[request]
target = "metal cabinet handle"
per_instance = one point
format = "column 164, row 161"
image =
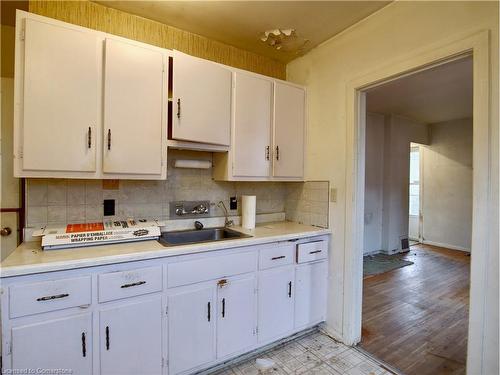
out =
column 89, row 137
column 208, row 311
column 50, row 298
column 268, row 149
column 133, row 284
column 109, row 139
column 84, row 345
column 290, row 289
column 179, row 108
column 223, row 307
column 280, row 257
column 315, row 252
column 107, row 338
column 277, row 152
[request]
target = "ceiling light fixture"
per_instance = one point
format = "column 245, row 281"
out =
column 284, row 40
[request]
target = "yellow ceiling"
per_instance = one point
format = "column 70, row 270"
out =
column 241, row 23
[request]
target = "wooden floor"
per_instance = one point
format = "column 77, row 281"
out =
column 415, row 318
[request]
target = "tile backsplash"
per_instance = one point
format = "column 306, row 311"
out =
column 307, row 203
column 61, row 201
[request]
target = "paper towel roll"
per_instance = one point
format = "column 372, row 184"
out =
column 248, row 211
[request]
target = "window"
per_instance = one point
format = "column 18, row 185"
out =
column 414, row 181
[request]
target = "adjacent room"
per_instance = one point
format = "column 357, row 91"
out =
column 418, row 219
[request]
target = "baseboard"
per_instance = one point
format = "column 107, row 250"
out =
column 446, row 245
column 372, row 252
column 331, row 332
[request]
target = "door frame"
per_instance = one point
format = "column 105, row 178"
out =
column 477, row 45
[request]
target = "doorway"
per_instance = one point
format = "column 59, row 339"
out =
column 414, row 194
column 476, row 45
column 417, row 302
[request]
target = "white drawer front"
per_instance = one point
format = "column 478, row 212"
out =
column 44, row 296
column 193, row 271
column 276, row 256
column 134, row 282
column 311, row 251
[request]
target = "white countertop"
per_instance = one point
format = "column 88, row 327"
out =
column 29, row 257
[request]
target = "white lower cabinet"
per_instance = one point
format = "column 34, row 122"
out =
column 310, row 293
column 191, row 327
column 276, row 302
column 236, row 316
column 131, row 338
column 211, row 321
column 187, row 313
column 62, row 343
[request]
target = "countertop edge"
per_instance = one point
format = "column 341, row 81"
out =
column 23, row 270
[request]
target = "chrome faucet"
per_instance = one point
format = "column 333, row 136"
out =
column 227, row 222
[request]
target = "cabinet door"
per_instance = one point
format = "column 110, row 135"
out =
column 64, row 343
column 252, row 126
column 133, row 104
column 236, row 316
column 276, row 303
column 191, row 328
column 62, row 94
column 130, row 338
column 289, row 126
column 310, row 293
column 202, row 101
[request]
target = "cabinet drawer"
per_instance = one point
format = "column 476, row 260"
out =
column 277, row 256
column 194, row 271
column 44, row 296
column 123, row 284
column 310, row 251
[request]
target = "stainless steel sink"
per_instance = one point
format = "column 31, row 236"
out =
column 184, row 237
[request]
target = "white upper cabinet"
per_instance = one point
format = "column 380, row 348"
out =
column 133, row 109
column 61, row 99
column 268, row 132
column 93, row 105
column 201, row 108
column 289, row 119
column 88, row 105
column 251, row 146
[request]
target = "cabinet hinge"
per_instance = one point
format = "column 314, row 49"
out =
column 166, row 310
column 10, row 348
column 23, row 33
column 162, row 362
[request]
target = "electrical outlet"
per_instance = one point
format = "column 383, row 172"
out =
column 333, row 194
column 233, row 203
column 109, row 207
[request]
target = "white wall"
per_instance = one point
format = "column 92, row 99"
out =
column 374, row 182
column 391, row 34
column 386, row 179
column 398, row 135
column 447, row 185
